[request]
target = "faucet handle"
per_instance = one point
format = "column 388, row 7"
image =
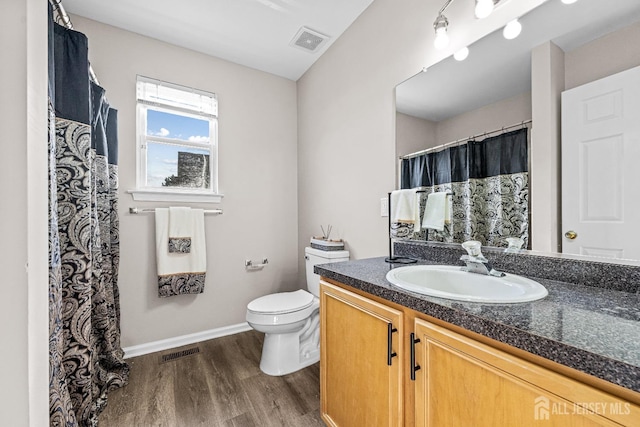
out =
column 515, row 244
column 473, row 248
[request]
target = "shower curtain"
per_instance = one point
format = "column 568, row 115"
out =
column 489, row 182
column 85, row 356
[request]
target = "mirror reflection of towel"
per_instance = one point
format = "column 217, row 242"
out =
column 405, row 208
column 436, row 211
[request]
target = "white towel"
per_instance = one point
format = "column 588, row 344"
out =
column 405, row 208
column 180, row 273
column 180, row 222
column 180, row 230
column 436, row 211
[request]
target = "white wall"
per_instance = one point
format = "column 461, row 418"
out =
column 603, row 57
column 346, row 130
column 24, row 396
column 257, row 137
column 485, row 119
column 414, row 134
column 547, row 83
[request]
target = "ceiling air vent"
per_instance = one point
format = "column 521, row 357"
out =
column 308, row 40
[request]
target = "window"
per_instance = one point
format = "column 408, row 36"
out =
column 177, row 131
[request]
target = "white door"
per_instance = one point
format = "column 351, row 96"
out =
column 601, row 167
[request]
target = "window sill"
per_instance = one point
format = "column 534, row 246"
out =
column 148, row 195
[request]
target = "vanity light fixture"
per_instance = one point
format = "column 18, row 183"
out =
column 569, row 1
column 440, row 26
column 462, row 54
column 483, row 8
column 512, row 30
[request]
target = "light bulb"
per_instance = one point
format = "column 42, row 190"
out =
column 512, row 30
column 442, row 39
column 569, row 1
column 462, row 54
column 483, row 8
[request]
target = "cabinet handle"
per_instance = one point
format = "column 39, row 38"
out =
column 413, row 367
column 390, row 353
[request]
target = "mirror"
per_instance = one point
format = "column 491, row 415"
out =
column 491, row 89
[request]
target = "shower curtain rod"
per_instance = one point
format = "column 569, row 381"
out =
column 64, row 20
column 448, row 144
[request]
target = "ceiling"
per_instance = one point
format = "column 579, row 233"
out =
column 497, row 68
column 253, row 33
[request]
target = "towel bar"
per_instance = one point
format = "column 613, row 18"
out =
column 135, row 211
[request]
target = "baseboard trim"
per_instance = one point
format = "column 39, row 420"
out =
column 152, row 347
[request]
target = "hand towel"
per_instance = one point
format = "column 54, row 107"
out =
column 180, row 273
column 180, row 230
column 436, row 211
column 405, row 208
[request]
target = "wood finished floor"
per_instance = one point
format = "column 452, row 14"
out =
column 222, row 385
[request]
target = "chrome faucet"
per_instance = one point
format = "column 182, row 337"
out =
column 476, row 262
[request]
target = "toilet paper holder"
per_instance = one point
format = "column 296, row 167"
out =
column 250, row 265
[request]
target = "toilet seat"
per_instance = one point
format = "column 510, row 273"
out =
column 281, row 308
column 281, row 303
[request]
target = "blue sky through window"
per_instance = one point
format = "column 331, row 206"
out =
column 162, row 159
column 168, row 125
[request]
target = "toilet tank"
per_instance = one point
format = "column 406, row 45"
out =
column 316, row 256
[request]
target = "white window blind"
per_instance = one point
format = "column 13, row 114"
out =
column 157, row 93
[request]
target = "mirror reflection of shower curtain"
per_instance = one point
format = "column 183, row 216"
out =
column 489, row 180
column 85, row 356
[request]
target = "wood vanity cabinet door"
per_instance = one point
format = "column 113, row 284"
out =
column 462, row 382
column 357, row 386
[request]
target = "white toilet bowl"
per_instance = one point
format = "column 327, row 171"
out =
column 291, row 320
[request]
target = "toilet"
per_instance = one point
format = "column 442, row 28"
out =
column 291, row 320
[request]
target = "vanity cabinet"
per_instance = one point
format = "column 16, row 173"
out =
column 361, row 360
column 440, row 377
column 462, row 382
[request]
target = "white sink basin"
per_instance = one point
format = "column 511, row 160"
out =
column 451, row 282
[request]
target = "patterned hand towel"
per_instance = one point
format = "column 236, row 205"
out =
column 180, row 273
column 180, row 230
column 405, row 211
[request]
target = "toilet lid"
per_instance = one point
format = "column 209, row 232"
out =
column 283, row 302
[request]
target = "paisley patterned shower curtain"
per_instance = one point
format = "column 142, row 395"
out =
column 85, row 356
column 489, row 182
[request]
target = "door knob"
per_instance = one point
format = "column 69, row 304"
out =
column 570, row 234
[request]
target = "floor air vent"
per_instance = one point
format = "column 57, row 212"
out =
column 178, row 354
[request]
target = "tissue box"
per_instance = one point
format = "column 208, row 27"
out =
column 327, row 245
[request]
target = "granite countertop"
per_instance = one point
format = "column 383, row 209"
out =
column 591, row 329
